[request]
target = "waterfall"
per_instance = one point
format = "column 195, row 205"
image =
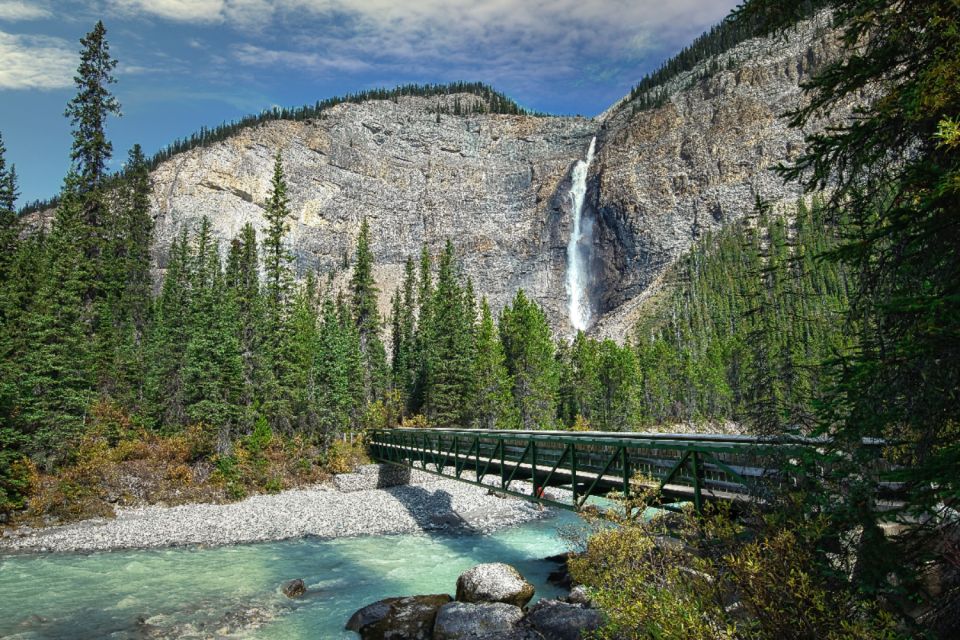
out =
column 579, row 246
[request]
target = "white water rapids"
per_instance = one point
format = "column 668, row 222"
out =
column 578, row 248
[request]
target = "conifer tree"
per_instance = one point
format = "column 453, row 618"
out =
column 423, row 337
column 449, row 394
column 302, row 352
column 403, row 317
column 334, row 370
column 494, row 408
column 529, row 351
column 366, row 316
column 279, row 279
column 9, row 226
column 88, row 112
column 168, row 338
column 243, row 284
column 212, row 369
column 56, row 382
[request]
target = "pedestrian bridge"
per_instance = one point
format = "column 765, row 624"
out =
column 694, row 468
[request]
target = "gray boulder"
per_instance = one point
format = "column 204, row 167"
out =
column 410, row 618
column 579, row 595
column 557, row 620
column 494, row 582
column 486, row 621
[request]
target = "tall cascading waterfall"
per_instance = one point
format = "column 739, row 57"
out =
column 580, row 246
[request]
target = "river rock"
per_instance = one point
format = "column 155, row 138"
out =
column 557, row 620
column 579, row 595
column 486, row 621
column 494, row 582
column 294, row 588
column 410, row 618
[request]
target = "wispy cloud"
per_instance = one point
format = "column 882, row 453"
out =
column 35, row 62
column 13, row 10
column 199, row 11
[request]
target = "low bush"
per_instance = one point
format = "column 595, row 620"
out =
column 686, row 577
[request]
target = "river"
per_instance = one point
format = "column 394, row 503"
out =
column 159, row 592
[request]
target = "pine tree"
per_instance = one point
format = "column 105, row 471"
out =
column 89, row 109
column 423, row 338
column 403, row 318
column 302, row 352
column 529, row 351
column 243, row 285
column 449, row 394
column 212, row 368
column 366, row 317
column 167, row 340
column 56, row 382
column 277, row 287
column 494, row 408
column 9, row 225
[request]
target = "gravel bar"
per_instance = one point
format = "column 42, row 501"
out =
column 358, row 507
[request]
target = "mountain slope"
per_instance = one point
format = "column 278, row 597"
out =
column 497, row 184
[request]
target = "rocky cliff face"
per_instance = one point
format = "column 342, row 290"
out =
column 492, row 184
column 497, row 185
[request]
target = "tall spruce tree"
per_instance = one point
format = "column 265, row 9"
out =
column 9, row 225
column 529, row 351
column 366, row 316
column 56, row 380
column 450, row 386
column 423, row 337
column 243, row 284
column 403, row 325
column 167, row 341
column 212, row 368
column 493, row 408
column 276, row 297
column 88, row 112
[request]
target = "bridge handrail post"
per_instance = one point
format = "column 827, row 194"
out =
column 697, row 496
column 573, row 472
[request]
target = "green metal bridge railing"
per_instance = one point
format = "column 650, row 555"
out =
column 684, row 467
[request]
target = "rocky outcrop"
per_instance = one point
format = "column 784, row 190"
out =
column 477, row 621
column 497, row 185
column 494, row 582
column 492, row 184
column 410, row 618
column 558, row 620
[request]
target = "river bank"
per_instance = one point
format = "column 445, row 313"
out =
column 354, row 505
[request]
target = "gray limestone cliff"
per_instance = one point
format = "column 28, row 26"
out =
column 496, row 185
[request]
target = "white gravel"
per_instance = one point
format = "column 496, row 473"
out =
column 427, row 503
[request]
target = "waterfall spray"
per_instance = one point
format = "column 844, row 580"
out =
column 578, row 248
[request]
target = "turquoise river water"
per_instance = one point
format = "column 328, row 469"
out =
column 118, row 594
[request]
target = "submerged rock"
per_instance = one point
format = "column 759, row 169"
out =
column 294, row 588
column 494, row 582
column 469, row 621
column 410, row 618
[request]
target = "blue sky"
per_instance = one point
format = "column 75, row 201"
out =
column 184, row 64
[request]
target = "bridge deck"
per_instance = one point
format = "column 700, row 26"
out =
column 684, row 467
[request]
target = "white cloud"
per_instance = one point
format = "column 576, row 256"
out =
column 202, row 11
column 35, row 62
column 259, row 56
column 13, row 10
column 503, row 41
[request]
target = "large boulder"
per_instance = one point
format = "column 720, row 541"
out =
column 484, row 621
column 494, row 582
column 557, row 620
column 410, row 618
